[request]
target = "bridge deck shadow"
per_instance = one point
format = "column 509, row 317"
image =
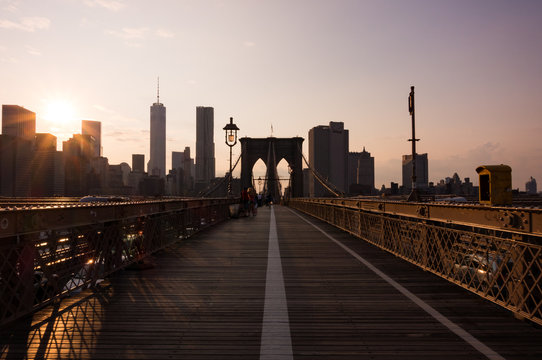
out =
column 204, row 299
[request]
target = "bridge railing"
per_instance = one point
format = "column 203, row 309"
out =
column 494, row 252
column 53, row 251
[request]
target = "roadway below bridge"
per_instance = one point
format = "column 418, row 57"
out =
column 279, row 285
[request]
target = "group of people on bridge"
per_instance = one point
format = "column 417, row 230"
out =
column 250, row 201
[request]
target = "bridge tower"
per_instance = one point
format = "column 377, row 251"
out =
column 272, row 150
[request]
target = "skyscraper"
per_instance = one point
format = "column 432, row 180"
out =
column 189, row 169
column 177, row 160
column 361, row 172
column 157, row 161
column 366, row 169
column 94, row 129
column 18, row 122
column 43, row 166
column 530, row 186
column 15, row 166
column 422, row 172
column 328, row 155
column 16, row 150
column 78, row 152
column 205, row 146
column 138, row 163
column 138, row 173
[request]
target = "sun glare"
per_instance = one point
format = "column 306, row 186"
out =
column 59, row 112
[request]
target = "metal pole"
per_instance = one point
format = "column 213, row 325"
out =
column 414, row 193
column 230, row 176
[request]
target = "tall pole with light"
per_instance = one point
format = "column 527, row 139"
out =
column 414, row 196
column 231, row 139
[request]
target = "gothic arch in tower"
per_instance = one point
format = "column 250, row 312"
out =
column 272, row 150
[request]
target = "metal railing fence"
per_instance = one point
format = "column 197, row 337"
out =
column 502, row 266
column 46, row 254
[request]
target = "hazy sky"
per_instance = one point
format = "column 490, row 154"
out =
column 476, row 66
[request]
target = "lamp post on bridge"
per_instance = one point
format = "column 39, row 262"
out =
column 231, row 139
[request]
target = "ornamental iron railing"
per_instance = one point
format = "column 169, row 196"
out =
column 498, row 264
column 49, row 253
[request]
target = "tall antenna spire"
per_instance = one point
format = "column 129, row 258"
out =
column 158, row 92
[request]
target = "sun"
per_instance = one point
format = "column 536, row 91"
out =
column 59, row 112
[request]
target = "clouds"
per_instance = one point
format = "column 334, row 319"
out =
column 129, row 33
column 114, row 116
column 28, row 24
column 32, row 51
column 119, row 131
column 8, row 5
column 164, row 33
column 134, row 37
column 112, row 5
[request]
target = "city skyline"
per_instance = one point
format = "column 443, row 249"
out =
column 476, row 67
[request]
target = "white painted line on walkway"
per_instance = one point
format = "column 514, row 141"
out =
column 276, row 342
column 456, row 329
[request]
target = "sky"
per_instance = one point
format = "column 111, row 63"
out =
column 291, row 65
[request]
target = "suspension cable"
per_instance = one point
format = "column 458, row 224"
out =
column 212, row 187
column 324, row 182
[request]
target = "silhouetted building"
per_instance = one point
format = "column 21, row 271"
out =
column 43, row 166
column 78, row 152
column 118, row 179
column 94, row 129
column 422, row 172
column 135, row 179
column 18, row 133
column 468, row 188
column 183, row 165
column 138, row 163
column 175, row 182
column 205, row 146
column 361, row 173
column 15, row 166
column 126, row 170
column 152, row 186
column 98, row 176
column 328, row 156
column 453, row 186
column 353, row 160
column 60, row 171
column 189, row 170
column 157, row 161
column 530, row 186
column 115, row 177
column 18, row 122
column 175, row 178
column 366, row 169
column 177, row 159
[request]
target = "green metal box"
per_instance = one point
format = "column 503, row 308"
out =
column 495, row 184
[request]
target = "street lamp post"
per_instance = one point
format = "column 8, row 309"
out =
column 231, row 140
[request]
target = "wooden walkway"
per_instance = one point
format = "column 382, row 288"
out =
column 206, row 299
